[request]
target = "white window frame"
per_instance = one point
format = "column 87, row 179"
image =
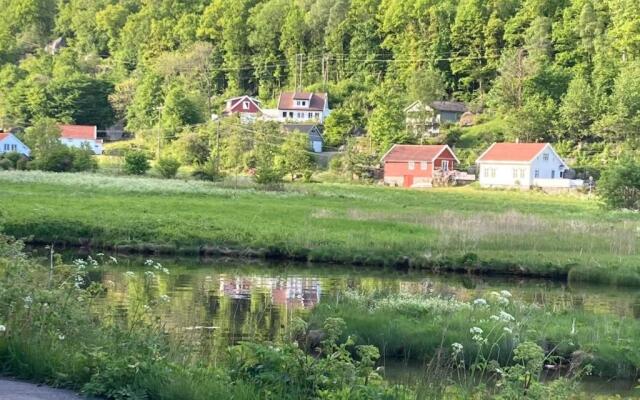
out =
column 545, row 156
column 245, row 105
column 444, row 165
column 411, row 165
column 424, row 165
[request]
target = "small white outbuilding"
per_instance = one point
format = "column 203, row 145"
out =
column 522, row 165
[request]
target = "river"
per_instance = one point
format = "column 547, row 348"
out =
column 225, row 301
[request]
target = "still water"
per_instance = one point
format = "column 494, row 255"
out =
column 229, row 301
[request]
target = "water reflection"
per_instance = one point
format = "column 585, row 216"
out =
column 237, row 301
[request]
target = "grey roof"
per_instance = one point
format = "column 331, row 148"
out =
column 453, row 106
column 314, row 131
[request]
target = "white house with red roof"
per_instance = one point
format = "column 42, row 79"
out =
column 10, row 143
column 416, row 165
column 302, row 106
column 81, row 135
column 521, row 165
column 247, row 107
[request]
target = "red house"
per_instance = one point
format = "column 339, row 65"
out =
column 246, row 106
column 414, row 165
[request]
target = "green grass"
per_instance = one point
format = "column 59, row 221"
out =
column 414, row 327
column 462, row 229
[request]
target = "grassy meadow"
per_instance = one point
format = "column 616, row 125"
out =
column 463, row 229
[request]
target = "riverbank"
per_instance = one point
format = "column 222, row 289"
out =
column 455, row 229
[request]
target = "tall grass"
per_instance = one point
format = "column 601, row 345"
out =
column 449, row 229
column 418, row 327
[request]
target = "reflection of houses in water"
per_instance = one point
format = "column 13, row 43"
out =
column 291, row 292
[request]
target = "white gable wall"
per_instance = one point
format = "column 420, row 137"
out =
column 547, row 165
column 11, row 144
column 95, row 145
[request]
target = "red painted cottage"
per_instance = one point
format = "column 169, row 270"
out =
column 409, row 165
column 246, row 106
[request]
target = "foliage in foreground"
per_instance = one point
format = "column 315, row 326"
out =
column 51, row 332
column 620, row 185
column 490, row 330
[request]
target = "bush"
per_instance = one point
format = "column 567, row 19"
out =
column 207, row 172
column 136, row 162
column 5, row 164
column 619, row 186
column 83, row 160
column 168, row 167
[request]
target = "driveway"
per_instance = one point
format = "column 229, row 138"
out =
column 14, row 390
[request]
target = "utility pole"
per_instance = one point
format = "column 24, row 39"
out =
column 300, row 62
column 218, row 147
column 325, row 70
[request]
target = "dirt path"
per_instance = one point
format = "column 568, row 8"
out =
column 14, row 390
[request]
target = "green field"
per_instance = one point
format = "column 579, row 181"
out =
column 447, row 229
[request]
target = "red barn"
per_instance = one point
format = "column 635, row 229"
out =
column 409, row 165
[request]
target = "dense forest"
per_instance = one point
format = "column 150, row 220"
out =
column 561, row 70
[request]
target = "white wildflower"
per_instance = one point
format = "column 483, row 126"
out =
column 457, row 348
column 505, row 293
column 113, row 260
column 165, row 271
column 61, row 337
column 165, row 299
column 146, row 307
column 130, row 274
column 480, row 302
column 476, row 331
column 149, row 274
column 158, row 266
column 100, row 254
column 148, row 262
column 27, row 302
column 3, row 328
column 508, row 330
column 506, row 317
column 494, row 318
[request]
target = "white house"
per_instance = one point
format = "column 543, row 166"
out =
column 426, row 119
column 81, row 135
column 301, row 106
column 10, row 143
column 522, row 165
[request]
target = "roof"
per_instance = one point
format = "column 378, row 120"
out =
column 512, row 152
column 409, row 152
column 234, row 101
column 316, row 101
column 88, row 132
column 314, row 131
column 4, row 135
column 453, row 106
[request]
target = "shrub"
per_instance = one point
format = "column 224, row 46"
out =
column 136, row 162
column 207, row 172
column 620, row 185
column 83, row 160
column 5, row 164
column 168, row 167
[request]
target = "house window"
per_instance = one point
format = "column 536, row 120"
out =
column 553, row 174
column 545, row 156
column 423, row 165
column 290, row 114
column 310, row 115
column 317, row 115
column 297, row 102
column 284, row 114
column 6, row 147
column 493, row 172
column 304, row 103
column 445, row 165
column 536, row 174
column 14, row 147
column 485, row 170
column 515, row 173
column 245, row 105
column 412, row 165
column 521, row 173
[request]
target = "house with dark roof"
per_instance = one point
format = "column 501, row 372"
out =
column 302, row 106
column 417, row 165
column 81, row 136
column 313, row 131
column 522, row 165
column 9, row 143
column 426, row 119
